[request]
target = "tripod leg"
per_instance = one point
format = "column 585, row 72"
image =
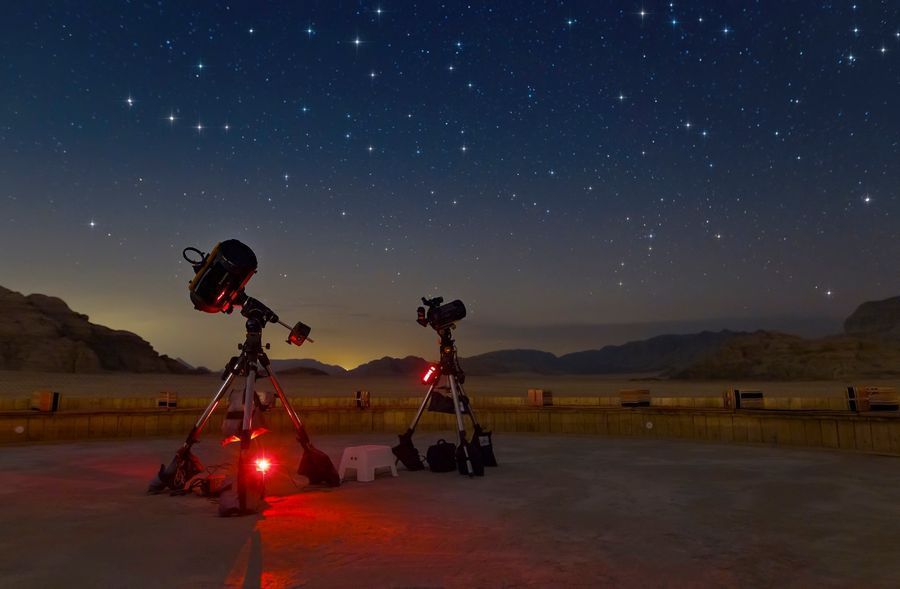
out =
column 249, row 405
column 415, row 421
column 194, row 435
column 469, row 407
column 302, row 436
column 185, row 465
column 454, row 389
column 315, row 464
column 244, row 466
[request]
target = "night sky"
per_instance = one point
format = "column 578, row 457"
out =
column 579, row 173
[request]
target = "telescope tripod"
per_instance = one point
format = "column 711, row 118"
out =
column 449, row 367
column 252, row 362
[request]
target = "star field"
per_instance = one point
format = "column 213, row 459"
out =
column 563, row 167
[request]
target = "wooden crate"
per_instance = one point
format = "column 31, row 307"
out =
column 865, row 398
column 167, row 400
column 748, row 399
column 47, row 401
column 540, row 397
column 634, row 397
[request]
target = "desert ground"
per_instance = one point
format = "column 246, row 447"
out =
column 18, row 384
column 559, row 511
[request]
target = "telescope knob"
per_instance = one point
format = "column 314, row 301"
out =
column 268, row 346
column 240, row 346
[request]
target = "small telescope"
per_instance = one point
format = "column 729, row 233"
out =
column 218, row 285
column 438, row 315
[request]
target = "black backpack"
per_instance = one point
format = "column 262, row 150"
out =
column 441, row 457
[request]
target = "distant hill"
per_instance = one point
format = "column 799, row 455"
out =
column 657, row 354
column 769, row 355
column 875, row 318
column 302, row 370
column 42, row 334
column 511, row 361
column 663, row 353
column 283, row 366
column 388, row 366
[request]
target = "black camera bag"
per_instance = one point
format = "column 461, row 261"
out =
column 441, row 457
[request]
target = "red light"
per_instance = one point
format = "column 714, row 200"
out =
column 253, row 435
column 263, row 465
column 429, row 376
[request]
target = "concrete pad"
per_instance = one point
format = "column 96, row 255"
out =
column 558, row 512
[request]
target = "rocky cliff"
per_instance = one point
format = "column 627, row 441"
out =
column 875, row 318
column 42, row 334
column 778, row 356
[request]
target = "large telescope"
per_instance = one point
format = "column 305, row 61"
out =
column 218, row 285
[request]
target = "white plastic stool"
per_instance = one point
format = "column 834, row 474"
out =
column 365, row 459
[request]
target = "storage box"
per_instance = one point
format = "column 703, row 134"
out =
column 634, row 397
column 873, row 399
column 748, row 399
column 167, row 400
column 47, row 401
column 540, row 397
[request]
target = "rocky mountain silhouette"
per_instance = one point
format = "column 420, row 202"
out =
column 42, row 334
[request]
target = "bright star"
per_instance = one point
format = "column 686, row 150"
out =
column 92, row 223
column 129, row 101
column 226, row 126
column 371, row 149
column 250, row 30
column 357, row 41
column 199, row 127
column 171, row 118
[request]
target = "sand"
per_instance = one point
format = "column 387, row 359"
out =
column 558, row 512
column 21, row 384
